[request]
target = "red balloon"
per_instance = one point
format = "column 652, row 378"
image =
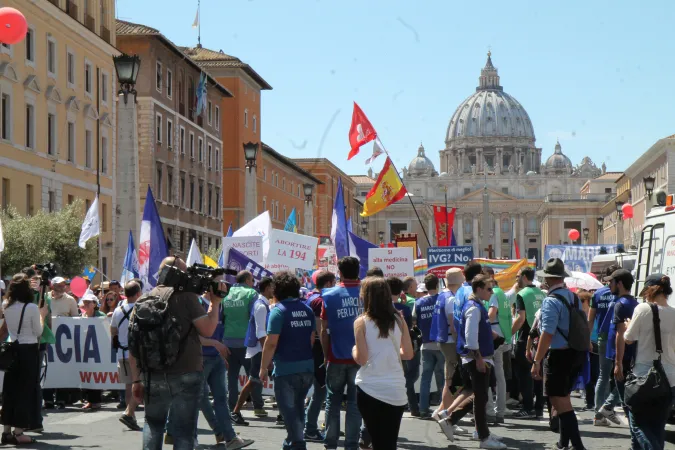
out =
column 13, row 26
column 573, row 234
column 627, row 210
column 78, row 286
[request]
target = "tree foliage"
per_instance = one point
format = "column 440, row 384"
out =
column 46, row 237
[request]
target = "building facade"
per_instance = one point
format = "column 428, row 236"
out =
column 493, row 173
column 180, row 152
column 57, row 111
column 240, row 120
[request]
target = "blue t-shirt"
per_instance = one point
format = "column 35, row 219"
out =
column 302, row 329
column 555, row 315
column 407, row 313
column 623, row 310
column 600, row 302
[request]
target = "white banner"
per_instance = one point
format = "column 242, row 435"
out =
column 251, row 246
column 394, row 262
column 292, row 249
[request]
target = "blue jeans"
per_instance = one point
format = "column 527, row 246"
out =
column 412, row 373
column 314, row 408
column 604, row 375
column 649, row 434
column 290, row 391
column 337, row 377
column 237, row 360
column 218, row 415
column 181, row 394
column 433, row 362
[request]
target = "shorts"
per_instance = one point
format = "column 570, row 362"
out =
column 254, row 373
column 561, row 371
column 451, row 360
column 124, row 371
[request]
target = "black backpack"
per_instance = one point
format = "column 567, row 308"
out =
column 579, row 335
column 154, row 334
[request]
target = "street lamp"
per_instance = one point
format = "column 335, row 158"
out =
column 619, row 210
column 308, row 189
column 380, row 234
column 649, row 185
column 586, row 232
column 600, row 222
column 250, row 151
column 127, row 68
column 364, row 227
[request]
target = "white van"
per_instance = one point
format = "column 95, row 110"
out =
column 625, row 260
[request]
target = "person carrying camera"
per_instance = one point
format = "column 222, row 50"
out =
column 176, row 386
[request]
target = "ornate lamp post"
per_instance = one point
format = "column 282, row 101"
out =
column 308, row 190
column 586, row 232
column 251, row 194
column 380, row 234
column 127, row 68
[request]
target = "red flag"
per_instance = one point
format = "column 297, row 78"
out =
column 361, row 131
column 515, row 245
column 445, row 221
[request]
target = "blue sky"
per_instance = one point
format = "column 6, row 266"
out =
column 598, row 75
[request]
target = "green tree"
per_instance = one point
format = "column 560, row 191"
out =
column 46, row 237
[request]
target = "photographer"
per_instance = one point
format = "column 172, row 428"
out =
column 178, row 386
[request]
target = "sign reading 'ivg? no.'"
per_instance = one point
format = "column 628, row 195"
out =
column 296, row 251
column 440, row 259
column 394, row 262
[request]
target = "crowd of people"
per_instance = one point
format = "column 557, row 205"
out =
column 358, row 344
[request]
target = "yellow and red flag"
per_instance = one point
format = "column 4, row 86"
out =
column 388, row 189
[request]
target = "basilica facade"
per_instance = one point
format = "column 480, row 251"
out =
column 492, row 171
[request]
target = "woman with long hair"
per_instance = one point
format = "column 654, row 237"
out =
column 25, row 321
column 648, row 429
column 382, row 341
column 109, row 303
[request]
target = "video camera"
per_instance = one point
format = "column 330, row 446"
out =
column 197, row 279
column 48, row 271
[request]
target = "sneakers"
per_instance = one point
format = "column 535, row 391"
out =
column 491, row 442
column 439, row 415
column 458, row 430
column 317, row 436
column 512, row 402
column 365, row 445
column 238, row 419
column 260, row 413
column 415, row 413
column 280, row 420
column 237, row 443
column 609, row 415
column 602, row 422
column 447, row 429
column 130, row 423
column 270, row 400
column 492, row 436
column 522, row 414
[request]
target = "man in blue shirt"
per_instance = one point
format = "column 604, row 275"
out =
column 563, row 364
column 290, row 336
column 600, row 302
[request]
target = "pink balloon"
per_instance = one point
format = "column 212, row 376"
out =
column 78, row 286
column 627, row 210
column 573, row 234
column 13, row 26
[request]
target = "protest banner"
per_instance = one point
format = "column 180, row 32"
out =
column 251, row 246
column 237, row 261
column 421, row 269
column 578, row 258
column 274, row 268
column 394, row 262
column 440, row 259
column 291, row 249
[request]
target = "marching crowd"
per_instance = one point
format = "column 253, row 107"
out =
column 360, row 344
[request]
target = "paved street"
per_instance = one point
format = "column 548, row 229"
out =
column 101, row 430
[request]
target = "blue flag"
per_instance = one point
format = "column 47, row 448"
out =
column 292, row 223
column 152, row 248
column 130, row 266
column 359, row 249
column 453, row 241
column 229, row 232
column 89, row 272
column 221, row 258
column 350, row 227
column 338, row 232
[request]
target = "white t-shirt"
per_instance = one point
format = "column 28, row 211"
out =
column 260, row 317
column 31, row 329
column 494, row 303
column 123, row 327
column 641, row 329
column 382, row 376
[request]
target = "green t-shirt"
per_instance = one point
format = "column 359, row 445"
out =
column 236, row 314
column 47, row 335
column 410, row 301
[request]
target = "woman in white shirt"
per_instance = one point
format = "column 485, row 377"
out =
column 24, row 323
column 382, row 341
column 649, row 432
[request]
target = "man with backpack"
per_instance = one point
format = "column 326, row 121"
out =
column 166, row 360
column 119, row 332
column 564, row 330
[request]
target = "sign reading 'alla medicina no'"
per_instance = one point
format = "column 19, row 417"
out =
column 251, row 246
column 296, row 251
column 394, row 262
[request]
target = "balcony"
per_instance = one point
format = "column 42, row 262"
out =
column 105, row 34
column 565, row 198
column 71, row 9
column 90, row 23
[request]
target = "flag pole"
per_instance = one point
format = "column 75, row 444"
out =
column 408, row 194
column 447, row 236
column 199, row 23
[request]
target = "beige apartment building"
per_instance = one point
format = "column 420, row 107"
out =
column 57, row 110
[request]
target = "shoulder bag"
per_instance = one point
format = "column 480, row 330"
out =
column 8, row 350
column 649, row 392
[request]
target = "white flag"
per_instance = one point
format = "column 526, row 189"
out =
column 195, row 24
column 378, row 149
column 260, row 226
column 2, row 238
column 194, row 255
column 90, row 227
